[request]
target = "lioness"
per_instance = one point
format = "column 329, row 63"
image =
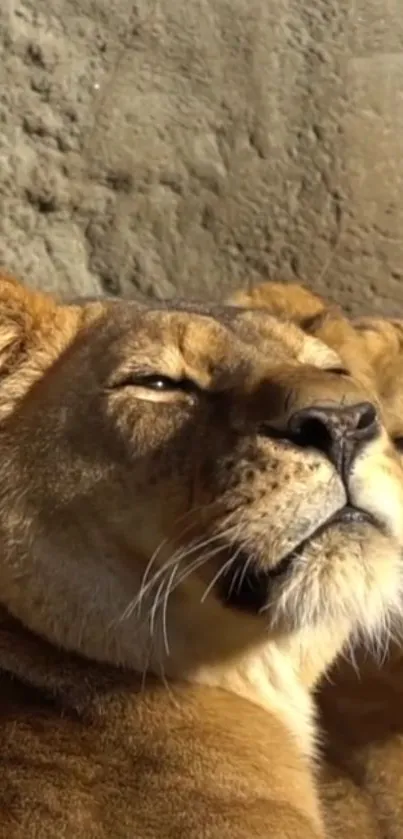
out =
column 191, row 528
column 362, row 701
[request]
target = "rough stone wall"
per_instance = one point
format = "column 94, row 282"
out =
column 191, row 146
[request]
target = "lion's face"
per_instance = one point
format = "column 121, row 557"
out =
column 182, row 483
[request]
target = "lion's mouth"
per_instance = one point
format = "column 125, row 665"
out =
column 246, row 587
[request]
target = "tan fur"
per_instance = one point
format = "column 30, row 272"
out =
column 361, row 703
column 362, row 706
column 317, row 317
column 291, row 302
column 135, row 701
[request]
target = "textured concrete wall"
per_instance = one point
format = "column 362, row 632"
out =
column 190, row 146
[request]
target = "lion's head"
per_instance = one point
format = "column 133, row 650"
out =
column 182, row 484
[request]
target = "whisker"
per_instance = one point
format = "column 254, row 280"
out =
column 235, row 579
column 197, row 563
column 165, row 608
column 181, row 556
column 165, row 541
column 244, row 571
column 153, row 611
column 136, row 601
column 216, row 577
column 166, row 683
column 145, row 587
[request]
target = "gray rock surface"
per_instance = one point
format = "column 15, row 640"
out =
column 193, row 146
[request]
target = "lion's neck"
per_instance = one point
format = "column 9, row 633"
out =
column 267, row 678
column 74, row 683
column 91, row 618
column 281, row 676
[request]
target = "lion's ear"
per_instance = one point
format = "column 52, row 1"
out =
column 11, row 319
column 289, row 301
column 22, row 312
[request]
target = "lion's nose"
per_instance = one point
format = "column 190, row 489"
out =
column 337, row 432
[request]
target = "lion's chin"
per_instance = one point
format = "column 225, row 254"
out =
column 249, row 587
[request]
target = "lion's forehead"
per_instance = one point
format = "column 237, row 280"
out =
column 182, row 340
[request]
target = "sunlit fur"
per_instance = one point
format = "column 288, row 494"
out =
column 124, row 507
column 361, row 699
column 361, row 703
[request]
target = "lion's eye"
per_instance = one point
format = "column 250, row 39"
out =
column 159, row 383
column 338, row 371
column 398, row 442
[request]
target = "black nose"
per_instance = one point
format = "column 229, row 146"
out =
column 337, row 432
